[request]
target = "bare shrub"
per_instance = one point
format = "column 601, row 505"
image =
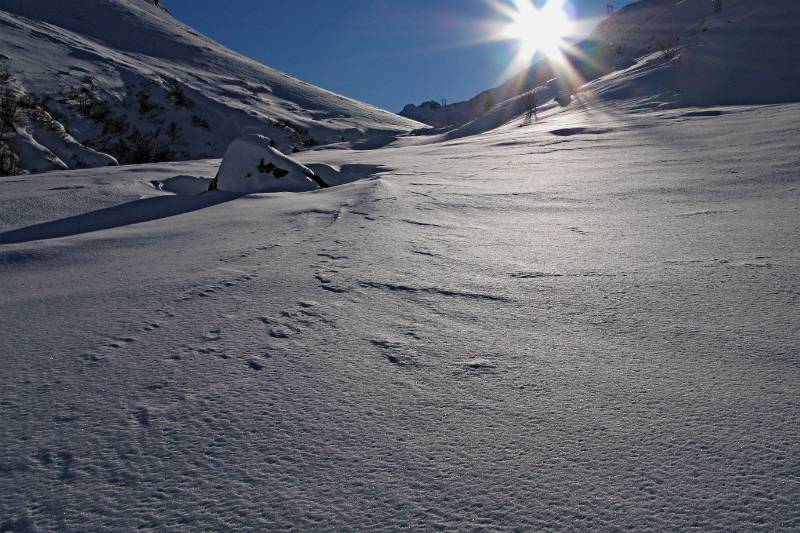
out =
column 488, row 103
column 199, row 122
column 84, row 100
column 9, row 109
column 9, row 160
column 139, row 147
column 5, row 75
column 669, row 49
column 143, row 98
column 9, row 103
column 179, row 97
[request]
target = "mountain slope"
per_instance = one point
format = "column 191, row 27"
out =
column 127, row 79
column 686, row 53
column 744, row 53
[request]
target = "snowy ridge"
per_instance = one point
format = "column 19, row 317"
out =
column 673, row 52
column 125, row 78
column 687, row 54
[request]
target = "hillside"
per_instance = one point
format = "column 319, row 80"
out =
column 101, row 81
column 738, row 54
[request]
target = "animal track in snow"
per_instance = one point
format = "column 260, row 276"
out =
column 121, row 342
column 206, row 347
column 62, row 463
column 222, row 285
column 247, row 253
column 305, row 316
column 576, row 229
column 203, row 350
column 396, row 353
column 115, row 345
column 328, row 267
column 213, row 335
column 142, row 416
column 106, row 349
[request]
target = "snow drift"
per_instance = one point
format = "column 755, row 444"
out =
column 252, row 165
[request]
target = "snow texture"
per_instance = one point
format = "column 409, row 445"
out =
column 586, row 322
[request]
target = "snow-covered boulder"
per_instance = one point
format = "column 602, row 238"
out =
column 252, row 165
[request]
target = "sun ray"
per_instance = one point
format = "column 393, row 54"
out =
column 532, row 30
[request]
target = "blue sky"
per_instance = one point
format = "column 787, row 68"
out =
column 385, row 52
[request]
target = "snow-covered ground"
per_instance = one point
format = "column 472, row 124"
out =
column 125, row 78
column 585, row 322
column 590, row 322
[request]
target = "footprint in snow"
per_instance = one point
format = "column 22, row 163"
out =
column 296, row 321
column 121, row 342
column 101, row 353
column 142, row 416
column 395, row 353
column 213, row 335
column 63, row 462
column 328, row 266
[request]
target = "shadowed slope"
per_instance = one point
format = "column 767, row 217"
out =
column 135, row 212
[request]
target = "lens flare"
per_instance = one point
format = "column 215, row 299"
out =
column 533, row 30
column 538, row 30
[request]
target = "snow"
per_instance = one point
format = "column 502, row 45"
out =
column 518, row 329
column 744, row 54
column 584, row 322
column 141, row 72
column 184, row 185
column 252, row 165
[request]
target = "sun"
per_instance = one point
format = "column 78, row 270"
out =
column 536, row 29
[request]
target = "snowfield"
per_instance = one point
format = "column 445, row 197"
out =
column 585, row 323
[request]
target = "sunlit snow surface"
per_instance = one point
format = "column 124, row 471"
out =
column 590, row 323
